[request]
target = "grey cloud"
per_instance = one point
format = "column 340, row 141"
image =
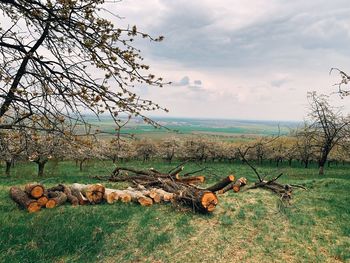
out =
column 300, row 32
column 183, row 82
column 198, row 82
column 277, row 83
column 195, row 88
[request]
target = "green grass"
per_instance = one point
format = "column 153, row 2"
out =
column 249, row 226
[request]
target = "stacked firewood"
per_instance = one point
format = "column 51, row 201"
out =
column 35, row 196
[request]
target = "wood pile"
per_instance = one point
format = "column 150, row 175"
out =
column 147, row 188
column 35, row 196
column 172, row 186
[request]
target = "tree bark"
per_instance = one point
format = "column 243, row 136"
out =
column 57, row 198
column 220, row 185
column 41, row 166
column 8, row 168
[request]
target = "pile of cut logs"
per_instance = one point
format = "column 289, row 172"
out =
column 146, row 190
column 183, row 189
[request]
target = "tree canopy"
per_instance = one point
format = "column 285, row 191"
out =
column 59, row 58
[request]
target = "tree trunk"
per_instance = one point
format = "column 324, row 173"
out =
column 21, row 198
column 41, row 166
column 321, row 164
column 321, row 170
column 8, row 168
column 81, row 162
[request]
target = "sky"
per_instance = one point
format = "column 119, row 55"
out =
column 253, row 59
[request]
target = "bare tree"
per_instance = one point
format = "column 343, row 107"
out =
column 305, row 142
column 329, row 124
column 58, row 57
column 345, row 79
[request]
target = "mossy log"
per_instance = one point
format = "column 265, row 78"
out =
column 21, row 198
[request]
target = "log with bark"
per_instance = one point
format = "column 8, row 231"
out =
column 235, row 186
column 22, row 198
column 67, row 190
column 93, row 192
column 82, row 200
column 223, row 183
column 43, row 200
column 56, row 198
column 34, row 190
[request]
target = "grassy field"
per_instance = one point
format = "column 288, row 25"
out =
column 249, row 226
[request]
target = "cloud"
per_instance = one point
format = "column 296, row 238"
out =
column 183, row 82
column 279, row 82
column 261, row 55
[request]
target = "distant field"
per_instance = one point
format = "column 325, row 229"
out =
column 248, row 226
column 182, row 127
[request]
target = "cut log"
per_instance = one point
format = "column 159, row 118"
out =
column 199, row 200
column 165, row 196
column 59, row 197
column 191, row 180
column 137, row 196
column 51, row 203
column 238, row 184
column 93, row 192
column 70, row 197
column 21, row 198
column 148, row 192
column 65, row 189
column 111, row 195
column 43, row 200
column 34, row 190
column 220, row 185
column 154, row 195
column 82, row 200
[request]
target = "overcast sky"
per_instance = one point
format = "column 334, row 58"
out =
column 253, row 59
